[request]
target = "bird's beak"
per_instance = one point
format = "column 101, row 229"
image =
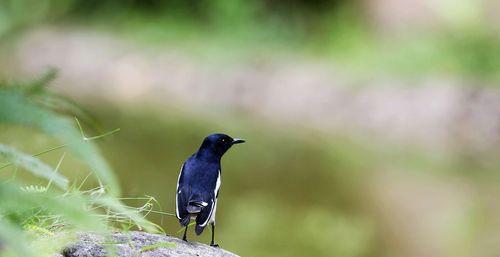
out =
column 238, row 141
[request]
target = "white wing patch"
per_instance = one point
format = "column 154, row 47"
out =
column 217, row 185
column 212, row 218
column 178, row 192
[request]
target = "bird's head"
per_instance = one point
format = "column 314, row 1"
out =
column 218, row 144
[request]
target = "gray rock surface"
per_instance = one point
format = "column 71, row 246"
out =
column 140, row 244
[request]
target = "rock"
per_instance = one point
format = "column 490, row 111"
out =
column 140, row 244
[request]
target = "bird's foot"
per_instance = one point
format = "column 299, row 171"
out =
column 214, row 245
column 184, row 239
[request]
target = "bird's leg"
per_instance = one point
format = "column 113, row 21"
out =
column 184, row 237
column 213, row 235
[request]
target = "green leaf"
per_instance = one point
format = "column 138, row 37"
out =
column 119, row 211
column 16, row 108
column 71, row 207
column 39, row 85
column 13, row 237
column 34, row 165
column 44, row 212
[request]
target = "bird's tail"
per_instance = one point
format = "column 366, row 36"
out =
column 198, row 229
column 195, row 206
column 185, row 221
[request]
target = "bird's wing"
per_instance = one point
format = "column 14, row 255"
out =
column 204, row 216
column 211, row 198
column 181, row 196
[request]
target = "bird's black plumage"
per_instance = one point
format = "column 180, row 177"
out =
column 199, row 182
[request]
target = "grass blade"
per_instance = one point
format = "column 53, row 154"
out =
column 33, row 165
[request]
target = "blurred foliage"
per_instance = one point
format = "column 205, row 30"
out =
column 336, row 29
column 19, row 107
column 31, row 212
column 16, row 15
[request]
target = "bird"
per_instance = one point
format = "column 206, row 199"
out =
column 199, row 183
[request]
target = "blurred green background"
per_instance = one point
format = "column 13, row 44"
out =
column 372, row 126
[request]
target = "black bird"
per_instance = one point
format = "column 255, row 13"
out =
column 199, row 183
